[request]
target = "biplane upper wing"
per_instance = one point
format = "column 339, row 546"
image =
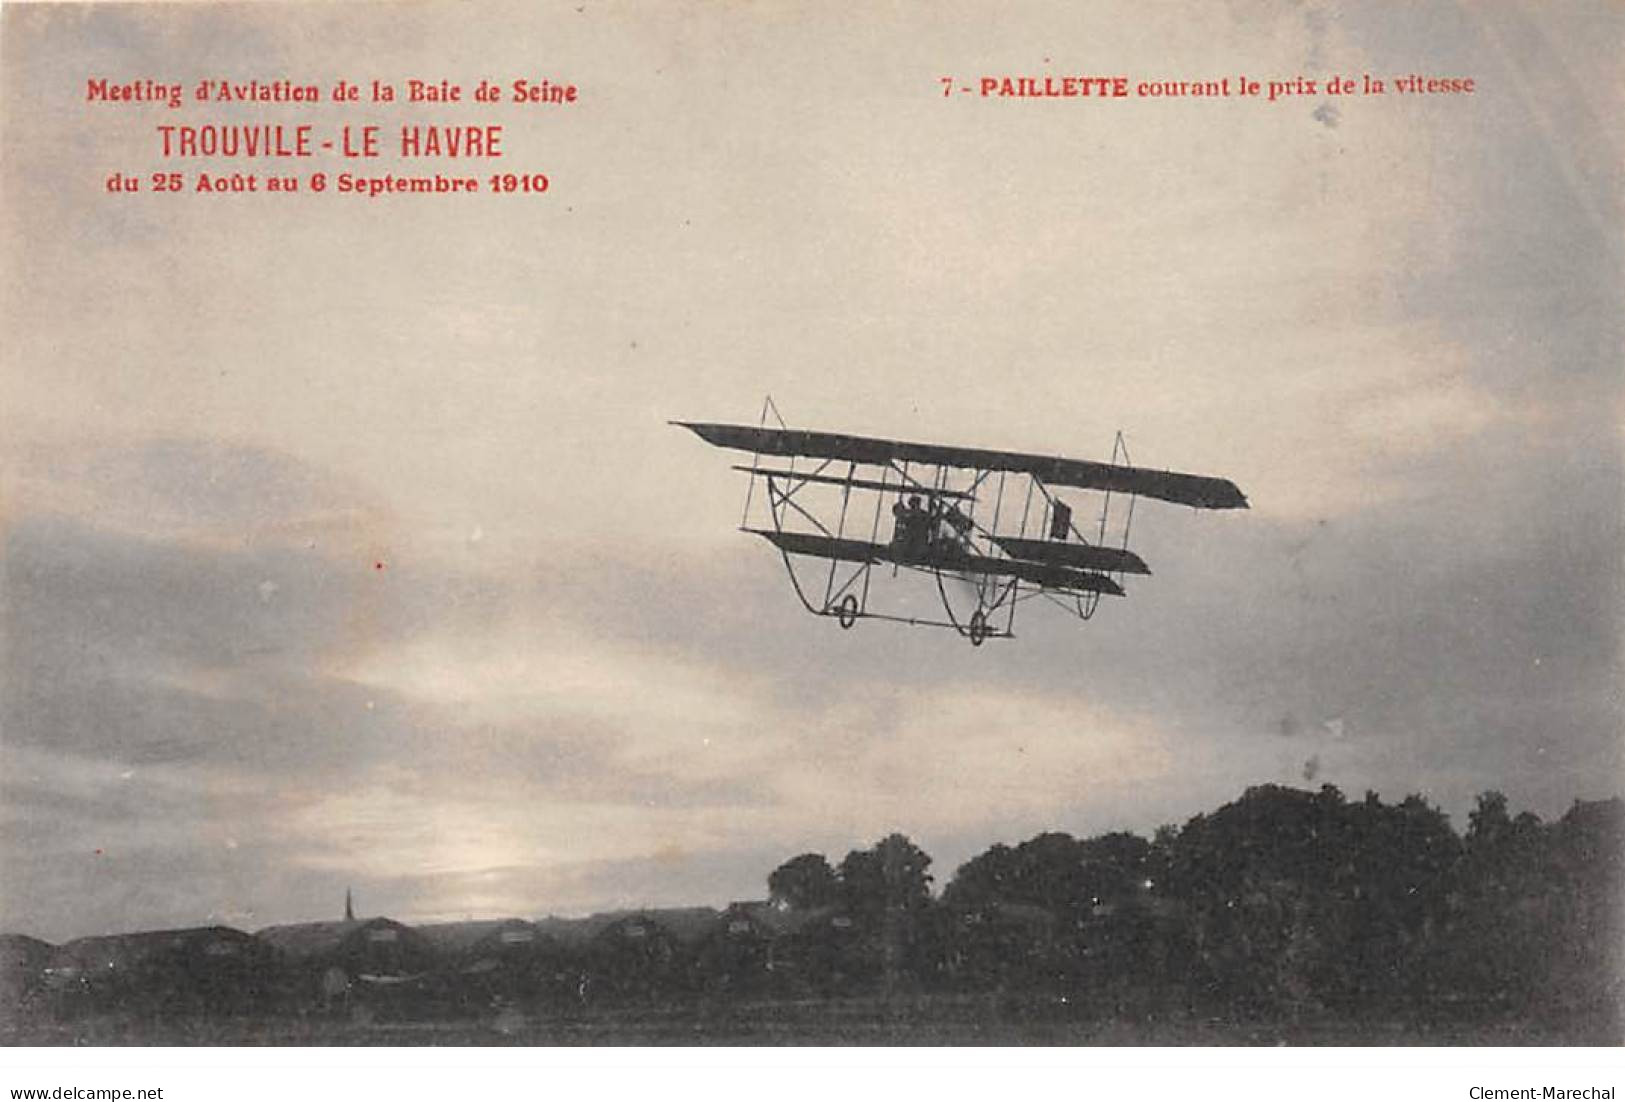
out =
column 1051, row 575
column 1197, row 491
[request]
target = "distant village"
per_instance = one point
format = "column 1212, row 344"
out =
column 1283, row 902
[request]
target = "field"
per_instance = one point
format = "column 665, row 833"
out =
column 905, row 1021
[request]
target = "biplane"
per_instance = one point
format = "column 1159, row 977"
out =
column 990, row 528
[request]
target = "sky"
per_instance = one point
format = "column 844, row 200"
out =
column 347, row 543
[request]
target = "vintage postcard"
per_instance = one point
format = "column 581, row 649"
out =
column 806, row 524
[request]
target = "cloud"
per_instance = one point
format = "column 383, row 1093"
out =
column 192, row 491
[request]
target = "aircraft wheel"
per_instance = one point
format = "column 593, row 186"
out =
column 848, row 611
column 978, row 628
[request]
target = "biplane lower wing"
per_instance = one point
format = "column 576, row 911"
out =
column 1080, row 555
column 826, row 547
column 1197, row 491
column 1049, row 575
column 1044, row 574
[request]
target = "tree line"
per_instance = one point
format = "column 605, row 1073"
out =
column 1278, row 904
column 1283, row 900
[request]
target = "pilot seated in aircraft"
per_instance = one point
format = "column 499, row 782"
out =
column 912, row 534
column 954, row 535
column 940, row 532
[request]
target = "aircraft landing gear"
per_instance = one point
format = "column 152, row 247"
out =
column 847, row 613
column 978, row 628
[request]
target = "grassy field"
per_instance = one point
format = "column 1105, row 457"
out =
column 926, row 1020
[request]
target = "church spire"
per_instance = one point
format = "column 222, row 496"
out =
column 349, row 907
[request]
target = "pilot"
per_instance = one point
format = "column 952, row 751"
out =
column 911, row 531
column 935, row 531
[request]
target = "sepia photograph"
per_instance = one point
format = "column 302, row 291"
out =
column 744, row 525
